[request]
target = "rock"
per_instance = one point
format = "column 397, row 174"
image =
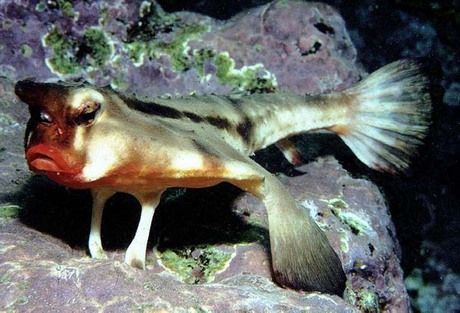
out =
column 213, row 252
column 141, row 49
column 351, row 211
column 237, row 275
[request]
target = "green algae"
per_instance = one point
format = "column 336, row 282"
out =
column 200, row 56
column 196, row 264
column 358, row 225
column 338, row 204
column 366, row 300
column 66, row 8
column 159, row 34
column 99, row 47
column 63, row 60
column 344, row 245
column 247, row 78
column 349, row 295
column 253, row 78
column 176, row 49
column 71, row 55
column 104, row 16
column 9, row 211
column 143, row 38
column 26, row 50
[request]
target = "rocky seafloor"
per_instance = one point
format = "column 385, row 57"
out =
column 212, row 253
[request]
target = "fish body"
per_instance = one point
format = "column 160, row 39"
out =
column 87, row 137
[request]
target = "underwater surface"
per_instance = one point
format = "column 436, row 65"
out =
column 423, row 203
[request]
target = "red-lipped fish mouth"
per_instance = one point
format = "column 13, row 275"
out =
column 43, row 158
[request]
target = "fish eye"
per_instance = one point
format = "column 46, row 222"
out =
column 87, row 114
column 44, row 117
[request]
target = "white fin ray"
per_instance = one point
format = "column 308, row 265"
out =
column 391, row 116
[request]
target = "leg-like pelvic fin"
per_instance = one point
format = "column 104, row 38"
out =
column 290, row 152
column 135, row 255
column 100, row 196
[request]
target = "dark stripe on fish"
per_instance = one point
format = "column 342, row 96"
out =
column 194, row 117
column 157, row 109
column 153, row 108
column 218, row 122
column 244, row 129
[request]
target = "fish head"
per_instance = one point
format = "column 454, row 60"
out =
column 57, row 113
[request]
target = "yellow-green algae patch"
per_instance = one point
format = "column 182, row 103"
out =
column 200, row 56
column 358, row 224
column 160, row 34
column 65, row 6
column 98, row 45
column 247, row 78
column 176, row 49
column 367, row 300
column 344, row 239
column 63, row 60
column 250, row 78
column 195, row 265
column 71, row 55
column 150, row 37
column 9, row 211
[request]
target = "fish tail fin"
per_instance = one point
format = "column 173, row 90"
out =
column 391, row 116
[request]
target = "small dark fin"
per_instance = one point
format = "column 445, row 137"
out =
column 391, row 116
column 290, row 152
column 302, row 257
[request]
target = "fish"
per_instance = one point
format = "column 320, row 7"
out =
column 96, row 138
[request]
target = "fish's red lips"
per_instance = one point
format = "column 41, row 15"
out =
column 45, row 159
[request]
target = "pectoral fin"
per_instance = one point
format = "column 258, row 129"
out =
column 302, row 257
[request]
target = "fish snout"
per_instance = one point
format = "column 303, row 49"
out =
column 45, row 159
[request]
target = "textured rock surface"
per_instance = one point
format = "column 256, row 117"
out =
column 213, row 252
column 142, row 49
column 40, row 271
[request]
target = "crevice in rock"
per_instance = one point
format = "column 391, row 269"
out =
column 324, row 28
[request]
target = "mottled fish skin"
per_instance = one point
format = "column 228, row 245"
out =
column 250, row 122
column 87, row 137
